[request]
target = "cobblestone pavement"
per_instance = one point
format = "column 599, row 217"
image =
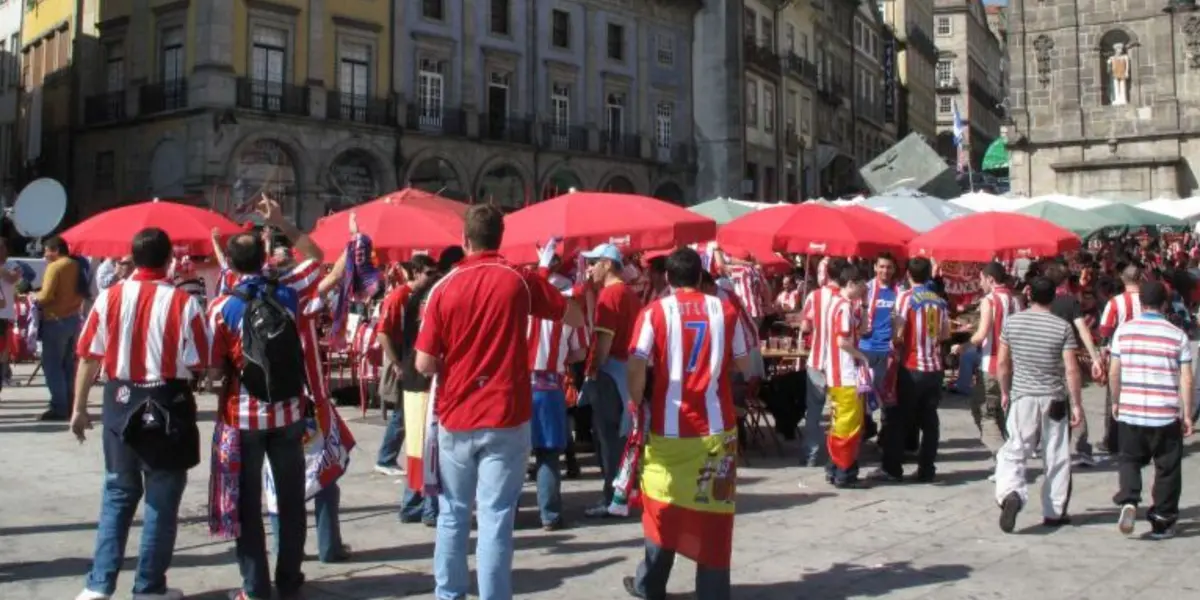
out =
column 937, row 541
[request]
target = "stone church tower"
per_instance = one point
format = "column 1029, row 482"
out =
column 1104, row 98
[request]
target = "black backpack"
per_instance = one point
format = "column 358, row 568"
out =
column 273, row 363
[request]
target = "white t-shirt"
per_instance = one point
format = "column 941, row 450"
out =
column 8, row 293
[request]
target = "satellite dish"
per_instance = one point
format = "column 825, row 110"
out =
column 39, row 208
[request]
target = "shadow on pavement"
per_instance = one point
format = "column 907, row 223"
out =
column 843, row 581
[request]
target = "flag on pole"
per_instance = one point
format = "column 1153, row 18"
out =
column 960, row 141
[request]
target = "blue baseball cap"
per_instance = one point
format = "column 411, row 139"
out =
column 608, row 251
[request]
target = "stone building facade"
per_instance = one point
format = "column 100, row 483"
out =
column 1075, row 131
column 968, row 76
column 317, row 104
column 911, row 22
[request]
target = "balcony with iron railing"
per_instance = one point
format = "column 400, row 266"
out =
column 621, row 144
column 760, row 56
column 272, row 96
column 435, row 119
column 358, row 108
column 950, row 85
column 163, row 96
column 108, row 107
column 564, row 137
column 791, row 141
column 505, row 128
column 800, row 68
column 920, row 42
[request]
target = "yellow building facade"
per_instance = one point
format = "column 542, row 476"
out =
column 220, row 100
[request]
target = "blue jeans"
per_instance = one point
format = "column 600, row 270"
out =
column 608, row 413
column 58, row 361
column 549, row 485
column 393, row 438
column 485, row 468
column 814, row 399
column 326, row 504
column 416, row 507
column 124, row 487
column 284, row 448
column 968, row 364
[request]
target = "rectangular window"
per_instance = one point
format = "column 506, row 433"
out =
column 500, row 17
column 354, row 81
column 945, row 73
column 616, row 42
column 768, row 34
column 431, row 87
column 805, row 111
column 751, row 104
column 802, row 45
column 268, row 67
column 560, row 22
column 664, row 115
column 666, row 49
column 943, row 26
column 560, row 111
column 945, row 105
column 433, row 9
column 106, row 171
column 750, row 24
column 614, row 116
column 768, row 101
column 114, row 67
column 791, row 38
column 793, row 105
column 170, row 54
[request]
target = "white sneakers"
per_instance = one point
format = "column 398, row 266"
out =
column 389, row 471
column 1127, row 519
column 87, row 594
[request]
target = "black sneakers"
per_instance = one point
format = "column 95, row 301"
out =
column 1008, row 512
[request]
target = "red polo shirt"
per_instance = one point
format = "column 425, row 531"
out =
column 477, row 321
column 617, row 309
column 391, row 313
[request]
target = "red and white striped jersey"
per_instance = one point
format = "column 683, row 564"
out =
column 302, row 277
column 751, row 288
column 788, row 300
column 816, row 312
column 1119, row 309
column 365, row 342
column 549, row 344
column 926, row 318
column 145, row 330
column 1002, row 302
column 844, row 321
column 692, row 339
column 748, row 327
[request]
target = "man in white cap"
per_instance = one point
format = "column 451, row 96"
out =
column 612, row 310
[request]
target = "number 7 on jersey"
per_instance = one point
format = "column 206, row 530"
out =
column 700, row 328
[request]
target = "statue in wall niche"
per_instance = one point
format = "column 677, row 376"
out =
column 1118, row 70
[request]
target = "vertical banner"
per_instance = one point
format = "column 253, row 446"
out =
column 889, row 79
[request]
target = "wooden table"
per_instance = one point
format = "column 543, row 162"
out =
column 772, row 354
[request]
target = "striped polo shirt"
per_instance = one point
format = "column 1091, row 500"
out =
column 1151, row 352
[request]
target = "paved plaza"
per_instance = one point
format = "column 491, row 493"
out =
column 793, row 541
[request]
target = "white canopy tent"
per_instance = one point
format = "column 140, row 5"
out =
column 984, row 202
column 1073, row 201
column 1187, row 209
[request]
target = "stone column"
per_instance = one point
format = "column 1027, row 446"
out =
column 643, row 101
column 720, row 135
column 212, row 81
column 316, row 59
column 471, row 70
column 591, row 83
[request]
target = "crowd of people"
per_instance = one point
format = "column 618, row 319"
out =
column 495, row 371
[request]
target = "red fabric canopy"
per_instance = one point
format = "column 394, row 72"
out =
column 397, row 230
column 988, row 236
column 110, row 233
column 585, row 219
column 811, row 228
column 890, row 224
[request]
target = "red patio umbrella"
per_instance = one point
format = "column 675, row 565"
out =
column 983, row 237
column 811, row 228
column 890, row 224
column 110, row 233
column 585, row 219
column 398, row 228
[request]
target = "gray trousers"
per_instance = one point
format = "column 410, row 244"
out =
column 1028, row 418
column 988, row 413
column 608, row 409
